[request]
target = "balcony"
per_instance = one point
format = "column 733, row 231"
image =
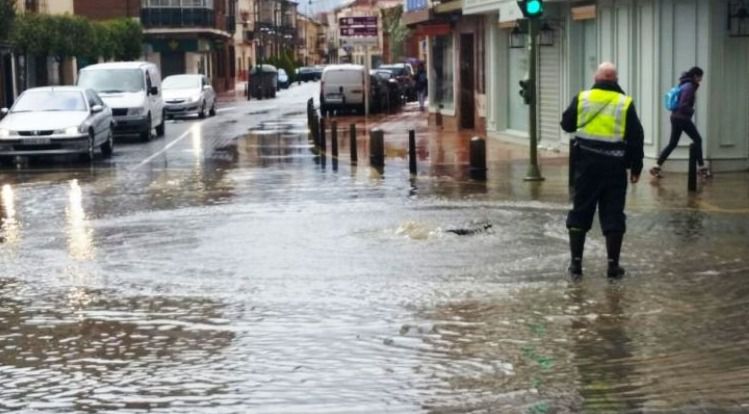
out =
column 174, row 17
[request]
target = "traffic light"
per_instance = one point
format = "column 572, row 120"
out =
column 526, row 91
column 531, row 8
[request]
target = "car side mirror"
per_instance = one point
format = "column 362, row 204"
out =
column 154, row 90
column 96, row 109
column 206, row 87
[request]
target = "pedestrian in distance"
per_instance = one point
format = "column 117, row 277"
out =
column 680, row 101
column 422, row 86
column 608, row 141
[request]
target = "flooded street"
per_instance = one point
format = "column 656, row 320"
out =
column 227, row 269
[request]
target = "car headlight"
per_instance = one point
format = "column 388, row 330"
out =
column 194, row 98
column 135, row 111
column 73, row 131
column 4, row 133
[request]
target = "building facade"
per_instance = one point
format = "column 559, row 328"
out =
column 311, row 44
column 275, row 28
column 192, row 36
column 651, row 41
column 244, row 47
column 456, row 51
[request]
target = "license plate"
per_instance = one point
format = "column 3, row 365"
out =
column 37, row 141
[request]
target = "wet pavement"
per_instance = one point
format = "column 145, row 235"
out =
column 227, row 269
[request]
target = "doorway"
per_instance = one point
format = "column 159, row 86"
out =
column 467, row 82
column 172, row 64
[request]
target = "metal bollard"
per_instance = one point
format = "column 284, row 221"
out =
column 322, row 137
column 412, row 152
column 352, row 145
column 377, row 148
column 692, row 178
column 334, row 138
column 478, row 158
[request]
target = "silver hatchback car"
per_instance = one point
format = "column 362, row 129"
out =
column 188, row 94
column 57, row 120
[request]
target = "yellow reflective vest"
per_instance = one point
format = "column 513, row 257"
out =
column 602, row 115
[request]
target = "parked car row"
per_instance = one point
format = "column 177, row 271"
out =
column 109, row 99
column 342, row 89
column 309, row 73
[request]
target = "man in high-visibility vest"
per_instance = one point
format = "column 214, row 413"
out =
column 608, row 141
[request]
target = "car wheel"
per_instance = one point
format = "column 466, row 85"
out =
column 107, row 148
column 213, row 109
column 145, row 135
column 201, row 114
column 160, row 128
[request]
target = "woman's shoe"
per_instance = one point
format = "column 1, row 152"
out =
column 705, row 172
column 656, row 172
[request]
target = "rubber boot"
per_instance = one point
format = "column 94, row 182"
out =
column 577, row 246
column 613, row 249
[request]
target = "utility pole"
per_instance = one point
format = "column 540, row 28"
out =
column 533, row 11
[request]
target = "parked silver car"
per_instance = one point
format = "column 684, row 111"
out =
column 188, row 94
column 57, row 120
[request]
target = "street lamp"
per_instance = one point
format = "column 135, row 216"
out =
column 533, row 10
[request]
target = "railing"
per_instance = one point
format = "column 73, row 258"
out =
column 177, row 17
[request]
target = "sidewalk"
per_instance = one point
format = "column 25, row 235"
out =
column 446, row 154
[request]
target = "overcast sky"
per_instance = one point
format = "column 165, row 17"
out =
column 317, row 5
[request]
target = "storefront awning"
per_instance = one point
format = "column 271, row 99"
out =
column 481, row 6
column 449, row 7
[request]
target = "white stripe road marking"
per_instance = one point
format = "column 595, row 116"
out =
column 231, row 108
column 163, row 150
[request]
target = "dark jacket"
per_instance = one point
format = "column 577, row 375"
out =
column 421, row 80
column 687, row 98
column 634, row 135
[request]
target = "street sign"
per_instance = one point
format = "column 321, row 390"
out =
column 359, row 31
column 358, row 21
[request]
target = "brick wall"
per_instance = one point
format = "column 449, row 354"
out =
column 107, row 9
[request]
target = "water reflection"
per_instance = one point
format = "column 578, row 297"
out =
column 602, row 351
column 10, row 231
column 80, row 235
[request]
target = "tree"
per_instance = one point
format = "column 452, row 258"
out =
column 127, row 38
column 393, row 27
column 70, row 36
column 7, row 16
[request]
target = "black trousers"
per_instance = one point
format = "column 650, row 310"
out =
column 678, row 126
column 600, row 182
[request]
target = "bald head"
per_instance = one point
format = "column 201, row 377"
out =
column 606, row 73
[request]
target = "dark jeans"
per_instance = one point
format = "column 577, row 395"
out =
column 678, row 126
column 600, row 182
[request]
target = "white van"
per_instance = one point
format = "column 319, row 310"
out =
column 342, row 88
column 133, row 91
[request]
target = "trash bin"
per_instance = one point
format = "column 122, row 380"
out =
column 263, row 81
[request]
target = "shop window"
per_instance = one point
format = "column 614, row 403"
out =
column 442, row 72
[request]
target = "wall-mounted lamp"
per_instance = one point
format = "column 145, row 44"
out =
column 546, row 35
column 518, row 38
column 738, row 19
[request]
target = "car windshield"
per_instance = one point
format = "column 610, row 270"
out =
column 395, row 70
column 50, row 100
column 112, row 80
column 181, row 82
column 281, row 72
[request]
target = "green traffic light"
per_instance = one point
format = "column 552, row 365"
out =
column 533, row 7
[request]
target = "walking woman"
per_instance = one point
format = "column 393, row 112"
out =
column 681, row 121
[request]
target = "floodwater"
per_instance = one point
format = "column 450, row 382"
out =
column 245, row 274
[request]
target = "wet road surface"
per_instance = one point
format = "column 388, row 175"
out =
column 226, row 269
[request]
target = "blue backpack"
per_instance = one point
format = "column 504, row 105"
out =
column 672, row 98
